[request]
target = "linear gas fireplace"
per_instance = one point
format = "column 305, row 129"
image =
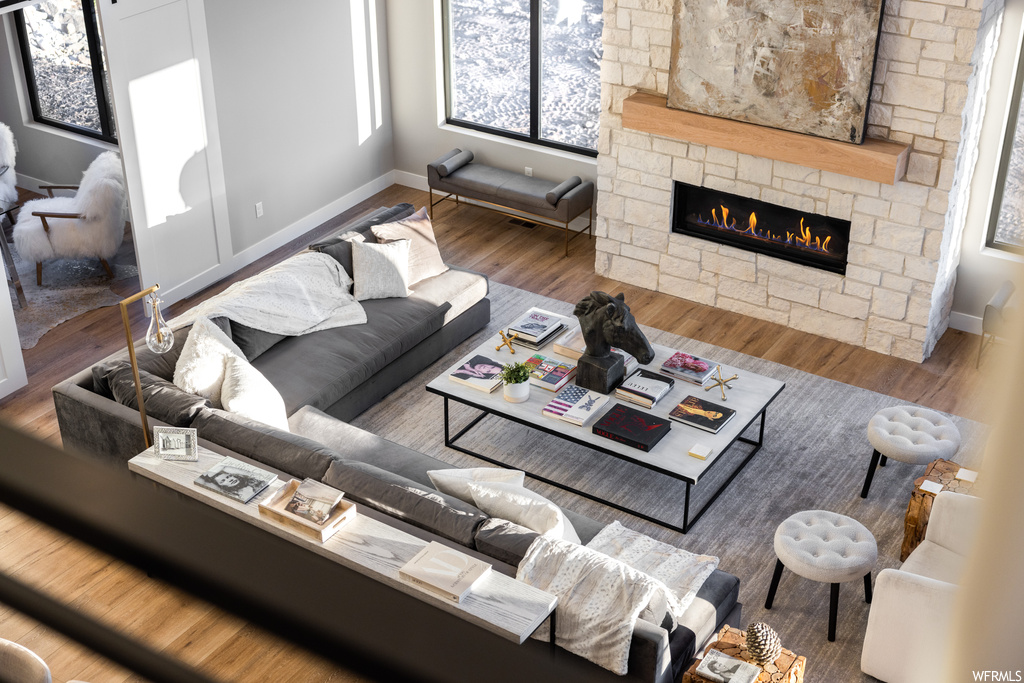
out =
column 805, row 238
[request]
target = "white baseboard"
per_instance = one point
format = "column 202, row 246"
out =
column 413, row 180
column 29, row 183
column 964, row 322
column 307, row 223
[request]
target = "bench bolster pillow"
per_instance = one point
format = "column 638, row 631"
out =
column 556, row 193
column 453, row 163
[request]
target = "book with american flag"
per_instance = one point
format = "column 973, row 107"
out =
column 575, row 405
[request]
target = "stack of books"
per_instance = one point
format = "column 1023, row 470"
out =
column 572, row 345
column 697, row 412
column 444, row 571
column 479, row 372
column 549, row 373
column 688, row 368
column 575, row 405
column 630, row 426
column 644, row 388
column 536, row 328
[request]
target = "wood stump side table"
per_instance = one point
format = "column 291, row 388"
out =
column 788, row 668
column 920, row 507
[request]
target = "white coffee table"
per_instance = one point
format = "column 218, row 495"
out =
column 750, row 397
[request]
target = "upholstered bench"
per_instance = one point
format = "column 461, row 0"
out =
column 555, row 204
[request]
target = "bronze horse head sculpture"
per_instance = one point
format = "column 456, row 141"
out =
column 606, row 322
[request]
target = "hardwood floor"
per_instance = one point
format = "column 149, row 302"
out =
column 227, row 648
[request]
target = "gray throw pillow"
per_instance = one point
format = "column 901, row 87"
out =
column 339, row 245
column 253, row 342
column 403, row 498
column 164, row 401
column 298, row 456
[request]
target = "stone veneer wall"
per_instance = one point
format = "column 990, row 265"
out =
column 904, row 242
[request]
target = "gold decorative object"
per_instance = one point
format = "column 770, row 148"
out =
column 723, row 384
column 159, row 339
column 506, row 340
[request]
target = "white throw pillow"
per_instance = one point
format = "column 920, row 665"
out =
column 381, row 271
column 424, row 258
column 248, row 393
column 523, row 506
column 200, row 367
column 456, row 482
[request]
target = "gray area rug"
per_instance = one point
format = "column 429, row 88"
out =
column 70, row 287
column 815, row 456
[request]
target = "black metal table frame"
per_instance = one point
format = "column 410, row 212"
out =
column 449, row 441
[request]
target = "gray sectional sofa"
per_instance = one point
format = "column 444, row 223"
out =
column 331, row 376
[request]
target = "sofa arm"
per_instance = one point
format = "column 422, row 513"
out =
column 649, row 655
column 954, row 519
column 907, row 627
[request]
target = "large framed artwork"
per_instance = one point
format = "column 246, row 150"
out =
column 799, row 65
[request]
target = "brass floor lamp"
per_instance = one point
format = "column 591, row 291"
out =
column 159, row 339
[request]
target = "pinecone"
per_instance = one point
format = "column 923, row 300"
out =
column 763, row 643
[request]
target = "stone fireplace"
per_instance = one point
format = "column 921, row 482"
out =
column 894, row 294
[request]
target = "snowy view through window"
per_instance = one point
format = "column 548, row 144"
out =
column 1010, row 226
column 490, row 67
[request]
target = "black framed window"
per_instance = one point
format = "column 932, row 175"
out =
column 1006, row 223
column 526, row 69
column 65, row 68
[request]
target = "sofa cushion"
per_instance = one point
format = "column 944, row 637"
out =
column 457, row 289
column 454, row 162
column 200, row 367
column 251, row 341
column 519, row 504
column 358, row 444
column 247, row 392
column 456, row 481
column 164, row 401
column 298, row 456
column 504, row 540
column 555, row 193
column 162, row 364
column 403, row 498
column 321, row 367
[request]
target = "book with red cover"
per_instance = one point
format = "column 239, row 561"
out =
column 632, row 427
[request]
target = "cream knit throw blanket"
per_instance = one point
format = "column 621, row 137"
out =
column 302, row 294
column 599, row 599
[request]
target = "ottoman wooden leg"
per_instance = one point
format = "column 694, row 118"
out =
column 875, row 455
column 833, row 611
column 775, row 584
column 867, row 588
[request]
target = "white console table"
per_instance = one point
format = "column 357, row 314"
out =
column 498, row 603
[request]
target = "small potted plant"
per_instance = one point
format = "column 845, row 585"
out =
column 516, row 377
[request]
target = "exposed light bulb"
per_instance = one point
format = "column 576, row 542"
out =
column 159, row 337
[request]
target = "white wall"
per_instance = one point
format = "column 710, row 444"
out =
column 296, row 133
column 981, row 269
column 417, row 94
column 46, row 154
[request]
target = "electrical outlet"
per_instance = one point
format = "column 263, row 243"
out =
column 259, row 209
column 529, row 171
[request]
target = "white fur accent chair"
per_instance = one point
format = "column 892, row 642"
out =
column 8, row 192
column 88, row 225
column 912, row 610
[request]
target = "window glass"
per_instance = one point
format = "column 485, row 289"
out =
column 489, row 63
column 58, row 47
column 1009, row 224
column 570, row 71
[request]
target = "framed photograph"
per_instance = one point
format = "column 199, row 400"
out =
column 176, row 443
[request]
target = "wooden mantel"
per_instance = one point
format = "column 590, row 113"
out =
column 879, row 160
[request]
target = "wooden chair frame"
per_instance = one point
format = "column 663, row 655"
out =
column 43, row 215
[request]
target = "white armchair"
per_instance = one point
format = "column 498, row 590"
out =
column 911, row 613
column 8, row 191
column 88, row 225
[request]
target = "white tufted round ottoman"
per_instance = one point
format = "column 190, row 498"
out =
column 828, row 547
column 909, row 434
